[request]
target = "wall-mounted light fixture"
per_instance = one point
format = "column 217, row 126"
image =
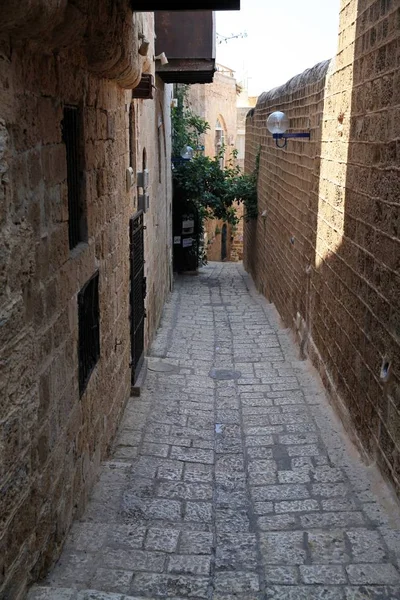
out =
column 277, row 123
column 162, row 58
column 187, row 153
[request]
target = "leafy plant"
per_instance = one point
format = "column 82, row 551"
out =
column 187, row 127
column 214, row 190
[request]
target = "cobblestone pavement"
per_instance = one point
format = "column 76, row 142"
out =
column 230, row 477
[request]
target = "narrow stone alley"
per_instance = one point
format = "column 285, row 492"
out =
column 231, row 476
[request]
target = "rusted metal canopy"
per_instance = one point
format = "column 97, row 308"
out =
column 188, row 40
column 158, row 5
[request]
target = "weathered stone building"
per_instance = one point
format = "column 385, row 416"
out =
column 70, row 130
column 326, row 250
column 216, row 103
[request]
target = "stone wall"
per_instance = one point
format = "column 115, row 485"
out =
column 52, row 439
column 327, row 250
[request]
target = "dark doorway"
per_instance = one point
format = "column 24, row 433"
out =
column 224, row 235
column 186, row 232
column 137, row 293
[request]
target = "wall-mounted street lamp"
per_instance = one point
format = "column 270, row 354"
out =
column 187, row 153
column 277, row 123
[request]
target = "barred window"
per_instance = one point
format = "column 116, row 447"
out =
column 72, row 141
column 89, row 330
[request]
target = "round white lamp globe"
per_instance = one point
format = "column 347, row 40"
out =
column 187, row 153
column 277, row 122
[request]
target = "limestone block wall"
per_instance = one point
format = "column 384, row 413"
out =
column 327, row 252
column 51, row 438
column 154, row 138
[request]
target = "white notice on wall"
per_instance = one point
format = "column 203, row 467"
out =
column 188, row 226
column 187, row 243
column 177, row 239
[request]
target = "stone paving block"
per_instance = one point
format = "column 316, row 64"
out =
column 375, row 592
column 298, row 592
column 197, row 472
column 112, row 580
column 236, row 583
column 228, row 498
column 230, row 481
column 231, row 520
column 170, row 585
column 299, row 438
column 184, row 490
column 236, row 552
column 259, row 452
column 298, row 476
column 329, row 490
column 367, row 546
column 333, row 519
column 129, row 536
column 97, row 595
column 137, row 509
column 192, row 432
column 392, row 539
column 139, row 487
column 231, row 463
column 285, row 491
column 302, row 462
column 259, row 440
column 326, row 574
column 339, row 504
column 375, row 512
column 328, row 547
column 198, row 511
column 306, row 450
column 170, row 471
column 88, row 537
column 217, row 596
column 290, row 506
column 49, row 593
column 146, row 466
column 306, row 427
column 280, row 418
column 126, row 453
column 152, row 444
column 162, row 540
column 282, row 575
column 283, row 548
column 228, row 415
column 72, row 568
column 373, row 573
column 263, row 508
column 233, row 445
column 187, row 564
column 195, row 542
column 134, row 560
column 192, row 455
column 261, row 431
column 327, row 474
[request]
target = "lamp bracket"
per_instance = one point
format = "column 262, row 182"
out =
column 287, row 136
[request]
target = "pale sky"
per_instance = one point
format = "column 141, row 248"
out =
column 284, row 37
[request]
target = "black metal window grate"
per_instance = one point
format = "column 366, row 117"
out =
column 71, row 137
column 89, row 330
